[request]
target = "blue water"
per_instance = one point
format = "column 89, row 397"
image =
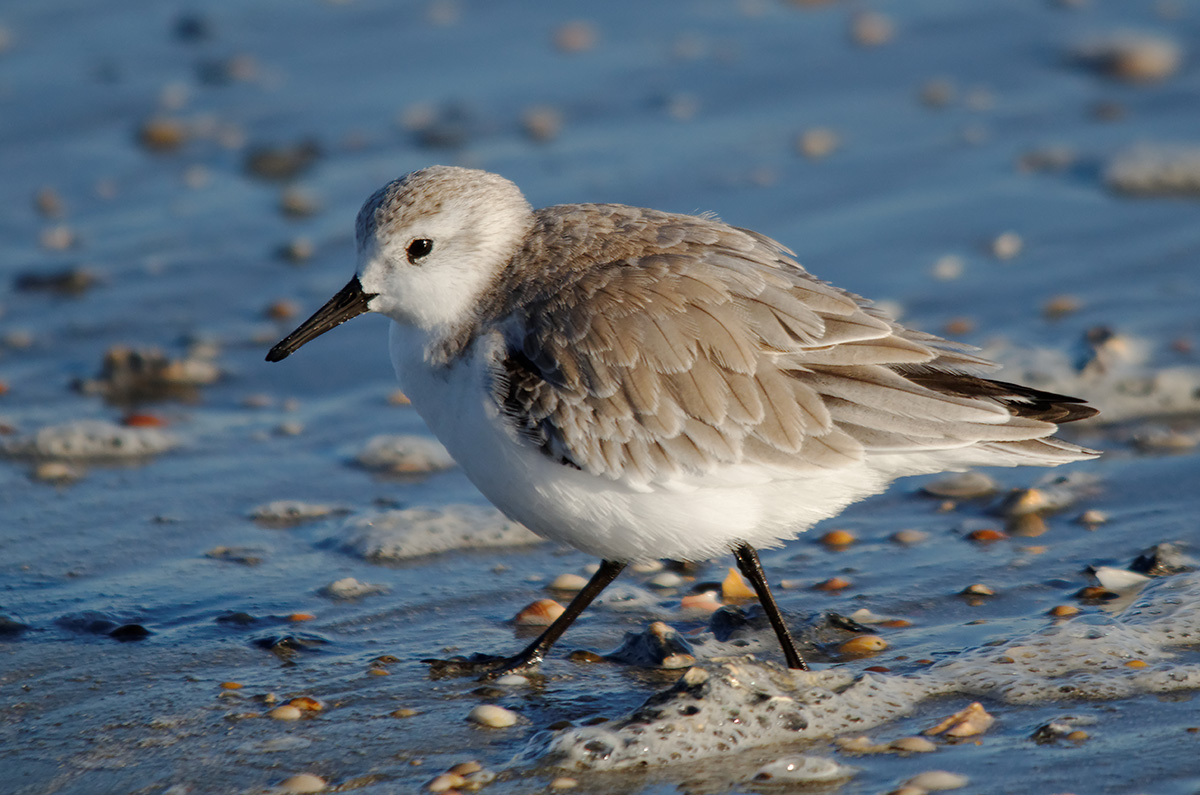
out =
column 181, row 263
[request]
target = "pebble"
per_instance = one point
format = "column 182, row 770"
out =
column 1115, row 579
column 351, row 588
column 909, row 537
column 162, row 134
column 1031, row 525
column 706, row 601
column 403, row 712
column 296, row 250
column 838, row 538
column 817, row 143
column 444, row 782
column 646, row 567
column 937, row 780
column 492, row 716
column 56, row 472
column 801, row 769
column 734, row 587
column 871, row 29
column 1131, row 57
column 564, row 782
column 574, row 37
column 541, row 613
column 285, row 712
column 862, row 646
column 1064, row 611
column 542, row 123
column 306, row 703
column 666, row 579
column 568, row 582
column 948, row 268
column 1060, row 306
column 913, row 745
column 978, row 589
column 303, row 782
column 832, row 584
column 1093, row 517
column 404, row 455
column 1006, row 245
column 296, row 202
column 967, row 722
column 986, row 536
column 511, row 680
column 962, row 486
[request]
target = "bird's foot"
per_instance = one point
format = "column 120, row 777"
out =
column 486, row 666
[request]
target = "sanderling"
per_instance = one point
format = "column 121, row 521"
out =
column 642, row 385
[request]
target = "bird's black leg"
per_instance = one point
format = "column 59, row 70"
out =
column 747, row 560
column 534, row 652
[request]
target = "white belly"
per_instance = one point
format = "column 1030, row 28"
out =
column 595, row 514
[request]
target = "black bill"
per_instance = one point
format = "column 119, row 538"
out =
column 350, row 302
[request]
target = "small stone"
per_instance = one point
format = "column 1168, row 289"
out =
column 162, row 134
column 511, row 680
column 296, row 250
column 801, row 769
column 285, row 712
column 1031, row 525
column 1131, row 57
column 862, row 646
column 937, row 93
column 478, row 780
column 403, row 712
column 948, row 268
column 871, row 29
column 817, row 143
column 575, row 37
column 706, row 601
column 306, row 704
column 1115, row 579
column 542, row 123
column 961, row 486
column 909, row 537
column 541, row 613
column 1064, row 611
column 296, row 202
column 1137, row 664
column 734, row 587
column 832, row 584
column 1024, row 501
column 282, row 310
column 445, row 782
column 492, row 716
column 913, row 745
column 568, row 582
column 231, row 685
column 666, row 579
column 564, row 782
column 465, row 768
column 838, row 538
column 1006, row 245
column 977, row 589
column 1060, row 306
column 937, row 780
column 56, row 472
column 986, row 536
column 1077, row 736
column 1093, row 517
column 303, row 783
column 349, row 588
column 646, row 567
column 967, row 722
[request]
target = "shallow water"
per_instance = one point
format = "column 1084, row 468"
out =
column 694, row 108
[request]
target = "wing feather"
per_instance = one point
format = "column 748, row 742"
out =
column 650, row 347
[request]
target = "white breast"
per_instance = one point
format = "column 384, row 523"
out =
column 604, row 517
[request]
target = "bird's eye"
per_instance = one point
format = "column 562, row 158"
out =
column 419, row 249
